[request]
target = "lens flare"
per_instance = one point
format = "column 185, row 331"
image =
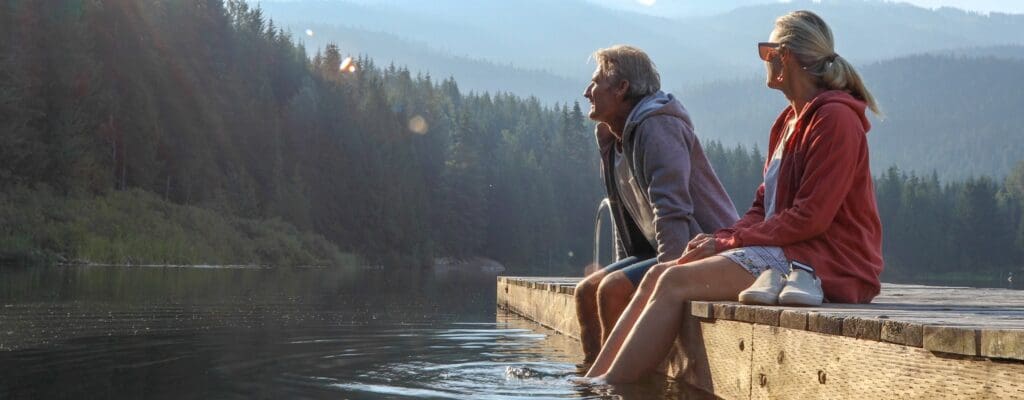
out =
column 309, row 32
column 418, row 125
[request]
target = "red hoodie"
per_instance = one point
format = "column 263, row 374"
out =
column 826, row 212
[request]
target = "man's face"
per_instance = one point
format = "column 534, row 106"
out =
column 606, row 97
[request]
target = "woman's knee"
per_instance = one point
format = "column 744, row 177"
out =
column 651, row 278
column 672, row 284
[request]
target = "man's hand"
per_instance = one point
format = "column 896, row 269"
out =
column 604, row 134
column 702, row 246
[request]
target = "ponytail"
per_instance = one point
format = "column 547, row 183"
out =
column 806, row 35
column 839, row 74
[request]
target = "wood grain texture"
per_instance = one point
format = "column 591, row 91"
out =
column 820, row 366
column 901, row 314
column 917, row 342
column 793, row 319
column 1003, row 343
column 717, row 356
column 545, row 305
column 952, row 339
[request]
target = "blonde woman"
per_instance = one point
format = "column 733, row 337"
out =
column 814, row 217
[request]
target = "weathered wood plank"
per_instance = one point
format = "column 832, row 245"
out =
column 1003, row 343
column 918, row 349
column 714, row 356
column 702, row 309
column 548, row 307
column 862, row 328
column 793, row 319
column 796, row 364
column 725, row 311
column 900, row 314
column 902, row 332
column 952, row 339
column 831, row 324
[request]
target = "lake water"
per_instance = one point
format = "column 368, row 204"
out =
column 246, row 333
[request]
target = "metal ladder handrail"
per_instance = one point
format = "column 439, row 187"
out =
column 603, row 205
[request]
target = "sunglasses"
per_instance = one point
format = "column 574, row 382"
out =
column 767, row 50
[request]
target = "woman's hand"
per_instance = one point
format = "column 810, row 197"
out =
column 702, row 246
column 700, row 238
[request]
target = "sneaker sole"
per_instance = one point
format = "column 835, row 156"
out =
column 799, row 299
column 758, row 298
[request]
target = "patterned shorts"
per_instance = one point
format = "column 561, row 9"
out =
column 757, row 259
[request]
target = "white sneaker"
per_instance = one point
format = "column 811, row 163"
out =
column 803, row 287
column 765, row 290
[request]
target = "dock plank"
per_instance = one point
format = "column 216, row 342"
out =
column 913, row 341
column 817, row 365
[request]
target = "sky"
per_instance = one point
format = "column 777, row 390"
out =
column 1005, row 6
column 984, row 6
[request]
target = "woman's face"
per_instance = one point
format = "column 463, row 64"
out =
column 773, row 64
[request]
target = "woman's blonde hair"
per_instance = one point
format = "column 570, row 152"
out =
column 807, row 36
column 631, row 64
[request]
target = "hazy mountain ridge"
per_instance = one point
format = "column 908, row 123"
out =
column 717, row 56
column 955, row 115
column 559, row 36
column 473, row 74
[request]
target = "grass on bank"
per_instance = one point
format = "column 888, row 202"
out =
column 138, row 227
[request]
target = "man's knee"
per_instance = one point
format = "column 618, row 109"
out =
column 615, row 286
column 587, row 288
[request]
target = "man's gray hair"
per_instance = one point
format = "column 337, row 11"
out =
column 622, row 62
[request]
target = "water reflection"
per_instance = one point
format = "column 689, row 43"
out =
column 108, row 332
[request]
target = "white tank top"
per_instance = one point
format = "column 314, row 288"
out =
column 771, row 175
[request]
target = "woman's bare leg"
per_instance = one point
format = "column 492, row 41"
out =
column 613, row 341
column 647, row 344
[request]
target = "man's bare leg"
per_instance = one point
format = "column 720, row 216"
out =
column 647, row 343
column 587, row 314
column 613, row 296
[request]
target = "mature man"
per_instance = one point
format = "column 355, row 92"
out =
column 660, row 185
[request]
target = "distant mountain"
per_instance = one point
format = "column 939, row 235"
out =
column 541, row 48
column 955, row 115
column 678, row 9
column 1014, row 52
column 559, row 36
column 474, row 75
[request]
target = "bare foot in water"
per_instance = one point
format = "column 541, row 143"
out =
column 585, row 381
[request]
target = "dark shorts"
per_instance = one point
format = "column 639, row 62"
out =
column 633, row 267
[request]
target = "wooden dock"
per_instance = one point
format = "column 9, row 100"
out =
column 913, row 341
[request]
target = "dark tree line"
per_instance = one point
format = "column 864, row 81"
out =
column 207, row 103
column 955, row 230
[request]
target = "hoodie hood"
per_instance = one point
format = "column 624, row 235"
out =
column 840, row 97
column 657, row 103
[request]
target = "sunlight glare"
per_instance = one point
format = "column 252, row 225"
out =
column 418, row 125
column 347, row 66
column 309, row 32
column 647, row 3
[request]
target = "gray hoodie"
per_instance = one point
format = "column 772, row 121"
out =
column 671, row 177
